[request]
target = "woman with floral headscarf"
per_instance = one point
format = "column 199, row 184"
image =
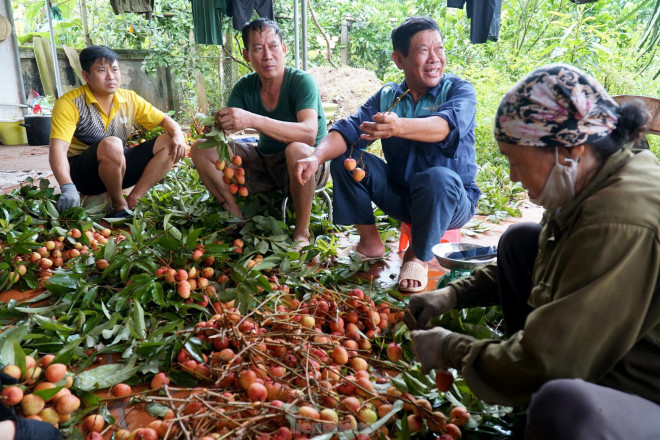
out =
column 580, row 293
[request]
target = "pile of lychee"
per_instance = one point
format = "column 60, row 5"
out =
column 314, row 354
column 43, row 391
column 55, row 252
column 233, row 176
column 199, row 276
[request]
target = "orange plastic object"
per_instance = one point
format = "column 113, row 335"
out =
column 450, row 236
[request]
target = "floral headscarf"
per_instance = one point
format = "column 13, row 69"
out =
column 555, row 106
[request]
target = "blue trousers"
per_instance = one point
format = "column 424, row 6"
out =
column 434, row 202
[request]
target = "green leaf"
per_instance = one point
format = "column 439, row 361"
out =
column 123, row 272
column 191, row 239
column 168, row 243
column 138, row 320
column 194, row 351
column 50, row 210
column 166, row 221
column 48, row 393
column 104, row 376
column 182, row 378
column 110, row 250
column 175, row 233
column 216, row 248
column 51, row 324
column 62, row 283
column 19, row 357
column 261, row 246
column 104, row 412
column 157, row 410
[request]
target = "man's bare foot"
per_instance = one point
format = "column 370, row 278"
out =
column 119, row 207
column 131, row 201
column 374, row 250
column 411, row 284
column 301, row 241
column 370, row 244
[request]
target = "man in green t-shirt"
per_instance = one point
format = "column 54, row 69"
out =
column 284, row 105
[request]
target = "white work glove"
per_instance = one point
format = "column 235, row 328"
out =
column 427, row 346
column 424, row 306
column 68, row 198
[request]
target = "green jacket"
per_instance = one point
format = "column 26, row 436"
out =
column 595, row 295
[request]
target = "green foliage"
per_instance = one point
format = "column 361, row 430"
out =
column 125, row 308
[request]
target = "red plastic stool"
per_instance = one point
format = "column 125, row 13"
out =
column 450, row 236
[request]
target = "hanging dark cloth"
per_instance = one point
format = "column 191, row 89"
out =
column 242, row 10
column 145, row 7
column 207, row 21
column 484, row 18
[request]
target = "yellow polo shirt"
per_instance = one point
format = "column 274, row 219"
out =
column 79, row 119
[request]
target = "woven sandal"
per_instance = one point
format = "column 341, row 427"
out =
column 412, row 270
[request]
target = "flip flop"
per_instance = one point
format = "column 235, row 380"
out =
column 123, row 215
column 412, row 270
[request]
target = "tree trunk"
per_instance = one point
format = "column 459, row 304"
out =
column 202, row 102
column 83, row 16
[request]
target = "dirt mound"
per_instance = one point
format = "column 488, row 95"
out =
column 347, row 87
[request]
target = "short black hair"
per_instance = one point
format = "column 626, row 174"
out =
column 259, row 25
column 92, row 53
column 403, row 33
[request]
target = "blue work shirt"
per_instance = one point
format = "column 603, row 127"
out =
column 454, row 100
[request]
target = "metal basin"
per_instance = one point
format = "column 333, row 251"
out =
column 443, row 251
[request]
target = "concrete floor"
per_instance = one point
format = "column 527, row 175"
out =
column 30, row 160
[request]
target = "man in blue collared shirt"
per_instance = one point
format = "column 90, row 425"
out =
column 428, row 176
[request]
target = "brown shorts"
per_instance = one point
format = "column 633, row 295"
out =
column 268, row 172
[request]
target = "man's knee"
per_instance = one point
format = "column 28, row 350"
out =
column 197, row 153
column 297, row 150
column 437, row 183
column 111, row 149
column 514, row 235
column 162, row 145
column 561, row 408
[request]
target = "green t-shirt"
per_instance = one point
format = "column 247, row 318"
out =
column 299, row 91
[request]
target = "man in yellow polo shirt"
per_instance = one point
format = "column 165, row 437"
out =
column 90, row 127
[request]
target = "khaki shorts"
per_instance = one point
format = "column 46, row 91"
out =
column 268, row 172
